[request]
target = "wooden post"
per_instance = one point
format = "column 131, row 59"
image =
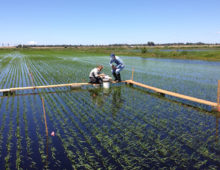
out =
column 218, row 96
column 45, row 120
column 132, row 77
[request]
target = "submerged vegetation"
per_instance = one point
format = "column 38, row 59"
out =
column 119, row 128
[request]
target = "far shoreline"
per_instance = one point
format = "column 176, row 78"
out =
column 191, row 52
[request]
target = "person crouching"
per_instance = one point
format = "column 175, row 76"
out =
column 116, row 69
column 95, row 75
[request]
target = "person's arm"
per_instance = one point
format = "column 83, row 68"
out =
column 111, row 61
column 102, row 75
column 99, row 74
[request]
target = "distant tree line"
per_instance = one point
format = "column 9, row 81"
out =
column 150, row 43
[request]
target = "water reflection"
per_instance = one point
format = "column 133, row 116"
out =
column 96, row 95
column 117, row 101
column 100, row 95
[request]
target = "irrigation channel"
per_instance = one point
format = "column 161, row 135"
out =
column 124, row 127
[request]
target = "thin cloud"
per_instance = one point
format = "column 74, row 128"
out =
column 218, row 32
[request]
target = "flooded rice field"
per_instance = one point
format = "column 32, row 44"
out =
column 124, row 127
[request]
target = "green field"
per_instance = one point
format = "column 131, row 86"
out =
column 181, row 52
column 124, row 127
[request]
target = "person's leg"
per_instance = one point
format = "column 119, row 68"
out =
column 99, row 80
column 114, row 74
column 117, row 71
column 119, row 77
column 92, row 80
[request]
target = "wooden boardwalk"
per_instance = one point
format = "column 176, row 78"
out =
column 41, row 87
column 157, row 90
column 165, row 92
column 48, row 86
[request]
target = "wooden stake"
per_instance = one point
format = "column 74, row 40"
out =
column 45, row 120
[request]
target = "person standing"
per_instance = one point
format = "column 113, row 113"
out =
column 116, row 69
column 95, row 75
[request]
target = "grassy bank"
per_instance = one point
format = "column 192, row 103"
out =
column 203, row 53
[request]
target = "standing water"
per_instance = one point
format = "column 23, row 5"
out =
column 121, row 127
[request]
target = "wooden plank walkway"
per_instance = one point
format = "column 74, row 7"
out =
column 201, row 101
column 49, row 86
column 157, row 90
column 41, row 87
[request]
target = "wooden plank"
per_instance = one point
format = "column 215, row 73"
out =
column 61, row 85
column 193, row 99
column 4, row 90
column 114, row 82
column 21, row 88
column 49, row 86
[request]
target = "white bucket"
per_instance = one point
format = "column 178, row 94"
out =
column 106, row 82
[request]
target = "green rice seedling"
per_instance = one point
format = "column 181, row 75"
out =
column 9, row 143
column 82, row 132
column 41, row 152
column 2, row 130
column 29, row 142
column 64, row 143
column 19, row 139
column 107, row 140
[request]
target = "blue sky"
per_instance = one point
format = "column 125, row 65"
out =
column 109, row 21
